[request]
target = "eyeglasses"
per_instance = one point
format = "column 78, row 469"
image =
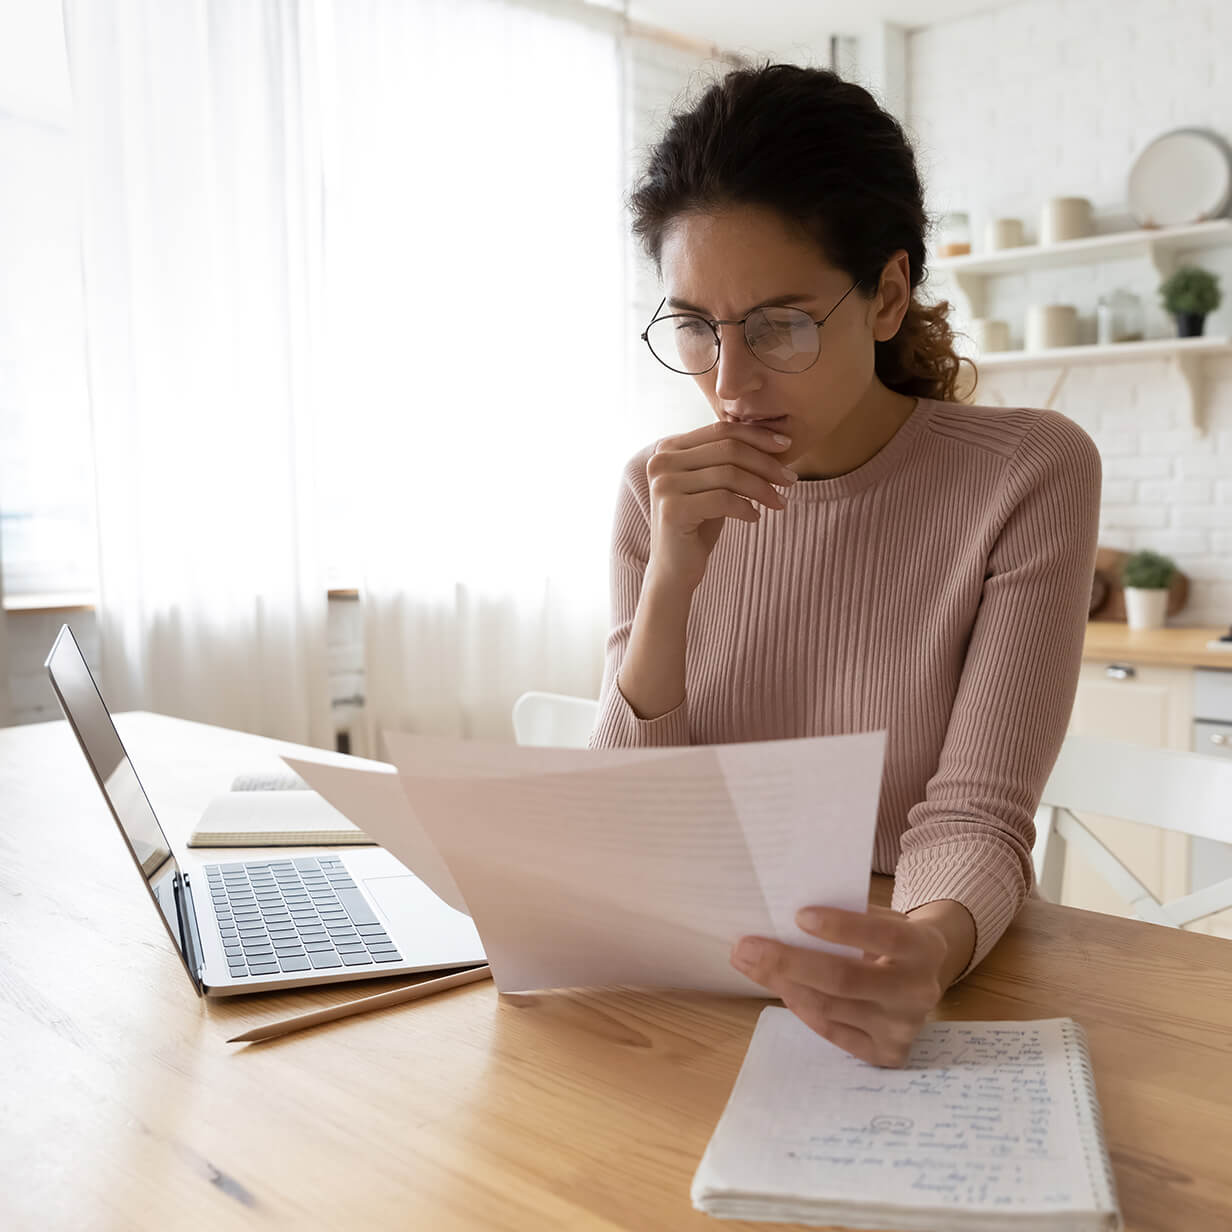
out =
column 785, row 339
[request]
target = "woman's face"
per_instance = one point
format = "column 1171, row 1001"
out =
column 726, row 262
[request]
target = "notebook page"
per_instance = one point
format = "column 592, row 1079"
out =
column 277, row 812
column 981, row 1118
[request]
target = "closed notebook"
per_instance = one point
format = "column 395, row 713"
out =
column 275, row 809
column 990, row 1125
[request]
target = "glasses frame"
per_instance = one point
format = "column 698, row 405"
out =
column 743, row 323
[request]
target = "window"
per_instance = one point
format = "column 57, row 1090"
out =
column 46, row 483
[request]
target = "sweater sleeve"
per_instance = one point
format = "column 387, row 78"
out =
column 617, row 725
column 971, row 837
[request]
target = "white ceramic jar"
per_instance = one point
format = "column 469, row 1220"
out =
column 1065, row 218
column 1051, row 325
column 990, row 335
column 1002, row 233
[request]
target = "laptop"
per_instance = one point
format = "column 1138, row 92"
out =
column 244, row 926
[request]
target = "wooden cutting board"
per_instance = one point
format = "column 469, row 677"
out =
column 1108, row 594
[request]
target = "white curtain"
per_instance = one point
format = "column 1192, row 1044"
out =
column 379, row 241
column 199, row 150
column 6, row 707
column 476, row 289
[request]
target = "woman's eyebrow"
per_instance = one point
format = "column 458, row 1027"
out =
column 766, row 303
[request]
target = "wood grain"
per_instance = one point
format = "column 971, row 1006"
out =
column 589, row 1109
column 1181, row 647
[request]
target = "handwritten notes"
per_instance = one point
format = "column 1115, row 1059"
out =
column 986, row 1116
column 974, row 1117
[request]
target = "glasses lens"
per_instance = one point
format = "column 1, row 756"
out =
column 684, row 343
column 785, row 339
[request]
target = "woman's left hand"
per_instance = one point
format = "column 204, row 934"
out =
column 872, row 1007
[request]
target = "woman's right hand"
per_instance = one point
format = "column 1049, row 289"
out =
column 699, row 479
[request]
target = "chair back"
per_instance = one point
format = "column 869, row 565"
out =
column 1186, row 793
column 554, row 719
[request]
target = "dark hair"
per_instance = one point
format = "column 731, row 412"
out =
column 824, row 154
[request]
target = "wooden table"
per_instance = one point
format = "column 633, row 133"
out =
column 123, row 1107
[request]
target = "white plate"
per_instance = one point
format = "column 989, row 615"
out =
column 1183, row 176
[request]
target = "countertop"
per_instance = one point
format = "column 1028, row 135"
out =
column 1114, row 642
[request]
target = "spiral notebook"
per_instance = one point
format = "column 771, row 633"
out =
column 990, row 1125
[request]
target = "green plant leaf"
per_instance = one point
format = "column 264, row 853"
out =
column 1147, row 570
column 1190, row 289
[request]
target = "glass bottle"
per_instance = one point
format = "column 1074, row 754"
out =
column 955, row 240
column 1119, row 317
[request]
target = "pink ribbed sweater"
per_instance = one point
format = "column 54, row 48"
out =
column 939, row 591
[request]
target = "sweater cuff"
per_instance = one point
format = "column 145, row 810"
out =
column 988, row 882
column 619, row 727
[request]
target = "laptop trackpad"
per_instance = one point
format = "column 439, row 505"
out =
column 424, row 928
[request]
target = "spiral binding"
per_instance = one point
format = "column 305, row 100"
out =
column 1099, row 1167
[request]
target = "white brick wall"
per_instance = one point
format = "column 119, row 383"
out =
column 1056, row 98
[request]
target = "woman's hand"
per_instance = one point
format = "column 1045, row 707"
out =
column 872, row 1007
column 699, row 479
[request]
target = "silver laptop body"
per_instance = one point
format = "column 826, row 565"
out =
column 255, row 925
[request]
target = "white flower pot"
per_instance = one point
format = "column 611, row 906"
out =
column 1146, row 609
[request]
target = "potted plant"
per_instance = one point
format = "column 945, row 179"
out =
column 1147, row 576
column 1189, row 294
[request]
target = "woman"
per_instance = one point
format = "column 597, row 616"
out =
column 847, row 547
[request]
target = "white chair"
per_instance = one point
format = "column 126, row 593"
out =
column 554, row 719
column 1187, row 793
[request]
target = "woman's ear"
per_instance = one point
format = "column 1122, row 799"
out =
column 893, row 297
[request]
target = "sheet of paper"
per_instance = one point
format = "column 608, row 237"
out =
column 643, row 866
column 806, row 804
column 369, row 794
column 441, row 758
column 372, row 797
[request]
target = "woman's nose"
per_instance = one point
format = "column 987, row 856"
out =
column 737, row 364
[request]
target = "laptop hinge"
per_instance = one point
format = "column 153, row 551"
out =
column 190, row 938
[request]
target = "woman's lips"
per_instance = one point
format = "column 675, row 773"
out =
column 774, row 425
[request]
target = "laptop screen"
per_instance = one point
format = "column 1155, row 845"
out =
column 83, row 706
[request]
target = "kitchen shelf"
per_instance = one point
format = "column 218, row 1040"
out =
column 1186, row 354
column 1160, row 245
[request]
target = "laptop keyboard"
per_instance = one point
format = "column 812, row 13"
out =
column 295, row 915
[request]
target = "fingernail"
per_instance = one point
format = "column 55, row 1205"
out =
column 782, row 440
column 809, row 919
